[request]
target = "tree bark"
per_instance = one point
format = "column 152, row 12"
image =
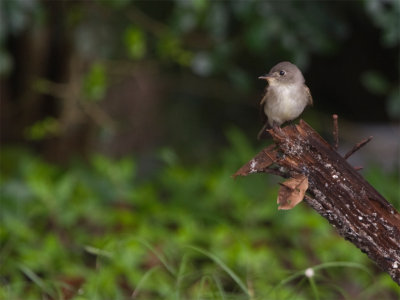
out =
column 336, row 191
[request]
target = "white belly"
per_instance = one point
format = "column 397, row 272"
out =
column 289, row 104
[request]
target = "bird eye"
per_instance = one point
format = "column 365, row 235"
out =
column 282, row 73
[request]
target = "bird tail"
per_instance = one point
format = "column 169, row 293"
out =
column 263, row 133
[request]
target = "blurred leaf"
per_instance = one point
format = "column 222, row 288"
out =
column 217, row 21
column 239, row 145
column 6, row 62
column 118, row 4
column 375, row 83
column 200, row 5
column 393, row 105
column 118, row 171
column 98, row 252
column 169, row 156
column 385, row 14
column 260, row 31
column 170, row 48
column 95, row 82
column 135, row 42
column 17, row 15
column 45, row 128
column 42, row 85
column 385, row 183
column 240, row 79
column 202, row 64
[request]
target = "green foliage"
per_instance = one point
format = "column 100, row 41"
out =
column 169, row 48
column 95, row 82
column 43, row 129
column 375, row 82
column 386, row 16
column 135, row 42
column 15, row 16
column 388, row 186
column 98, row 230
column 393, row 107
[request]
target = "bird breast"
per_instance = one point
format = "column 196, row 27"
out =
column 285, row 103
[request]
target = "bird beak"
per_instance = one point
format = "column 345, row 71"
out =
column 266, row 76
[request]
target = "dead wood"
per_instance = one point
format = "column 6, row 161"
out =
column 335, row 131
column 335, row 190
column 357, row 147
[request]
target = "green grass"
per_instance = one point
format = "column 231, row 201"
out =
column 99, row 230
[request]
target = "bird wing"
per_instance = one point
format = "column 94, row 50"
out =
column 310, row 99
column 264, row 98
column 264, row 118
column 263, row 102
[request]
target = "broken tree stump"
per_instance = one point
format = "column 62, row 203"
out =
column 335, row 190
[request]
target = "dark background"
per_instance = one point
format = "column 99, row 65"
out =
column 128, row 77
column 122, row 122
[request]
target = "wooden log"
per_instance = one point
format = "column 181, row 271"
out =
column 336, row 191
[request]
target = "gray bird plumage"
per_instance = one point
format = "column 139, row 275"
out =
column 286, row 95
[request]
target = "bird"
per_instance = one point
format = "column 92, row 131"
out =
column 286, row 96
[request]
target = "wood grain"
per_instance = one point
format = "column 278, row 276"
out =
column 336, row 191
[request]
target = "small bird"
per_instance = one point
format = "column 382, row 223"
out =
column 285, row 96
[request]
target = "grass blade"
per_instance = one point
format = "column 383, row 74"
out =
column 160, row 257
column 36, row 279
column 223, row 266
column 142, row 281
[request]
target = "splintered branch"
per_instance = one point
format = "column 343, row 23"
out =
column 335, row 131
column 332, row 187
column 357, row 147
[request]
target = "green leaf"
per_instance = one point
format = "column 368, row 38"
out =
column 223, row 266
column 135, row 42
column 375, row 82
column 95, row 83
column 42, row 129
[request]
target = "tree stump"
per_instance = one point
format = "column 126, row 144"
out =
column 335, row 190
